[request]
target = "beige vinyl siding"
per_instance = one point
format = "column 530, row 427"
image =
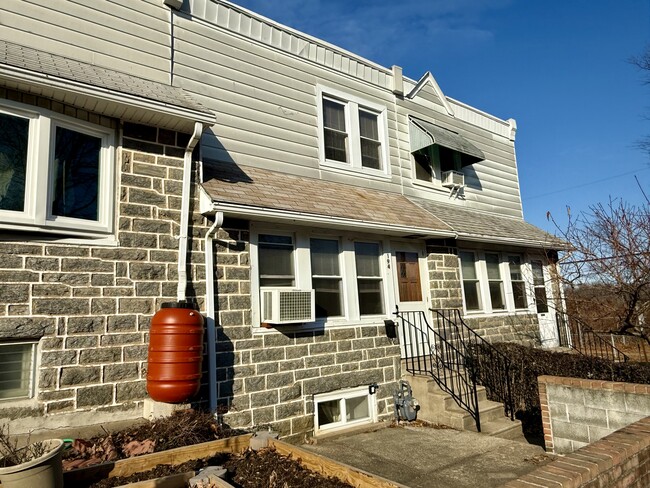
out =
column 125, row 35
column 266, row 101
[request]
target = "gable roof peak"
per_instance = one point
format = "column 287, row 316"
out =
column 428, row 78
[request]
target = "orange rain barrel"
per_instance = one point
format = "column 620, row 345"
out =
column 175, row 353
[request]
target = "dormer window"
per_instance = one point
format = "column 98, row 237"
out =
column 437, row 151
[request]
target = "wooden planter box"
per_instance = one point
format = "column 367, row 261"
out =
column 127, row 467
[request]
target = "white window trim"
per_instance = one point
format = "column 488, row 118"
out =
column 484, row 292
column 341, row 396
column 302, row 273
column 352, row 104
column 38, row 180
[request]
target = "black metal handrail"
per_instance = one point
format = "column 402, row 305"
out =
column 586, row 341
column 428, row 352
column 492, row 368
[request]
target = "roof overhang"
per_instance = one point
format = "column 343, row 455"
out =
column 98, row 89
column 425, row 134
column 111, row 103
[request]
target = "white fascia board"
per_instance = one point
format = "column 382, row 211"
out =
column 303, row 218
column 428, row 78
column 19, row 75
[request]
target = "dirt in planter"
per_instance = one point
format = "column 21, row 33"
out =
column 251, row 469
column 183, row 428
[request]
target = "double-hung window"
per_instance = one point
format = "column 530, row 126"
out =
column 471, row 286
column 493, row 282
column 353, row 133
column 517, row 282
column 275, row 255
column 346, row 274
column 326, row 277
column 369, row 281
column 56, row 173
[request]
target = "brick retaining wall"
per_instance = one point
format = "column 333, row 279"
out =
column 619, row 460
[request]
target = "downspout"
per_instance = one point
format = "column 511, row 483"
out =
column 185, row 211
column 210, row 314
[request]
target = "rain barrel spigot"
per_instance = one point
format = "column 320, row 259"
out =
column 175, row 353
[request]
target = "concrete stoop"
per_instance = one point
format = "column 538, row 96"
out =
column 439, row 407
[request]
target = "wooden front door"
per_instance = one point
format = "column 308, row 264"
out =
column 409, row 266
column 408, row 276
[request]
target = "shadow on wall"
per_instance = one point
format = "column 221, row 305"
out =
column 471, row 178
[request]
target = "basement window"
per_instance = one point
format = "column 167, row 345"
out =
column 17, row 370
column 344, row 409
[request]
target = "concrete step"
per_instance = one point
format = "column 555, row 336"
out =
column 439, row 407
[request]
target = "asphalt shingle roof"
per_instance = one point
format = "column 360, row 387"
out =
column 228, row 183
column 471, row 223
column 265, row 189
column 54, row 65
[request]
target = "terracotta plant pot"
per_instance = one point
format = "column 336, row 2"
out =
column 45, row 471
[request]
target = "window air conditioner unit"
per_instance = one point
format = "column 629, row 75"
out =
column 287, row 306
column 453, row 179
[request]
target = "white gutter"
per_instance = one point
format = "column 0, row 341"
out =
column 185, row 212
column 210, row 315
column 19, row 75
column 326, row 220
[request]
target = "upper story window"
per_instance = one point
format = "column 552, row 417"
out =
column 493, row 282
column 440, row 154
column 56, row 173
column 353, row 133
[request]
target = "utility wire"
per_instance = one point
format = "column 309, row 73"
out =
column 609, row 178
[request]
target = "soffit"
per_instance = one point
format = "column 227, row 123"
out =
column 424, row 134
column 246, row 189
column 97, row 89
column 475, row 225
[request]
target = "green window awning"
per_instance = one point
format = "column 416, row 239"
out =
column 425, row 134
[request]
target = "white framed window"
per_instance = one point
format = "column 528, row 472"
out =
column 326, row 277
column 344, row 409
column 539, row 287
column 353, row 133
column 56, row 172
column 471, row 284
column 17, row 370
column 493, row 282
column 432, row 161
column 346, row 273
column 517, row 282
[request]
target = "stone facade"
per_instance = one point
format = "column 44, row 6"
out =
column 269, row 378
column 445, row 288
column 90, row 305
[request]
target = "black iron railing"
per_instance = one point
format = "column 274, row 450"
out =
column 443, row 358
column 586, row 341
column 492, row 369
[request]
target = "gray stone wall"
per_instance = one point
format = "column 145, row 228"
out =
column 520, row 328
column 90, row 305
column 445, row 287
column 270, row 379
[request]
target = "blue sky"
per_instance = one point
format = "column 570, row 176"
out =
column 560, row 68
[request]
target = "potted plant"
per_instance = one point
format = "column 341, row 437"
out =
column 37, row 464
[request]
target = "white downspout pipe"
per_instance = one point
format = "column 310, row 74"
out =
column 185, row 212
column 210, row 310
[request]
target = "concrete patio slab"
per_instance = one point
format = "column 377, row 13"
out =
column 424, row 457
